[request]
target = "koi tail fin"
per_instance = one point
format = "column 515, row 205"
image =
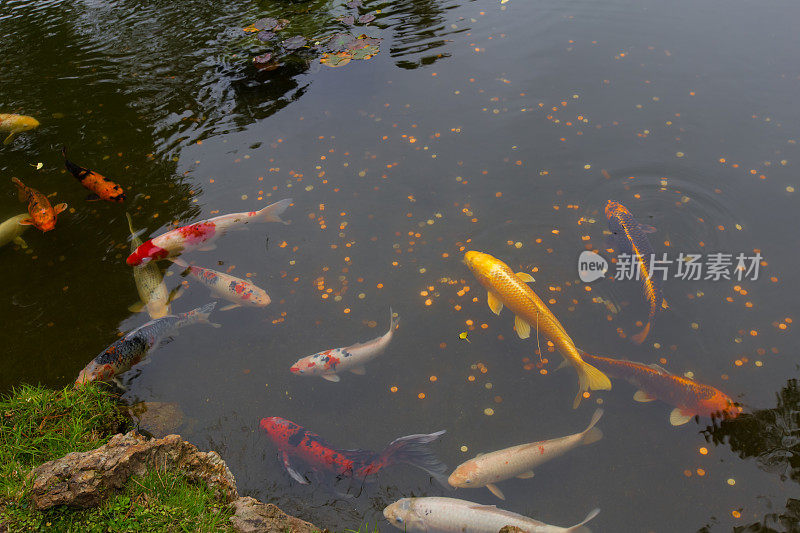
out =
column 21, row 189
column 415, row 450
column 591, row 433
column 589, row 378
column 581, row 528
column 642, row 335
column 199, row 315
column 273, row 212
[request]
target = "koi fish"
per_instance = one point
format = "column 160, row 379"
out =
column 129, row 350
column 12, row 230
column 202, row 235
column 227, row 287
column 450, row 515
column 327, row 364
column 654, row 383
column 102, row 188
column 510, row 289
column 630, row 238
column 42, row 214
column 150, row 285
column 519, row 461
column 16, row 124
column 299, row 444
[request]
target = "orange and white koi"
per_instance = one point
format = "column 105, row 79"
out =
column 630, row 237
column 689, row 397
column 510, row 289
column 42, row 215
column 202, row 235
column 102, row 188
column 16, row 124
column 236, row 290
column 519, row 461
column 352, row 358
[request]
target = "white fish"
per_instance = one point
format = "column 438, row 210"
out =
column 11, row 230
column 449, row 515
column 519, row 461
column 329, row 363
column 227, row 287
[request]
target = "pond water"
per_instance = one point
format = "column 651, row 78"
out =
column 503, row 128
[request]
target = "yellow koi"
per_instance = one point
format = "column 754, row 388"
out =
column 16, row 124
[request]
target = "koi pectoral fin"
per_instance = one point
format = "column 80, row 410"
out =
column 526, row 475
column 229, row 307
column 522, row 327
column 291, row 471
column 679, row 417
column 332, row 377
column 26, row 222
column 496, row 491
column 136, row 307
column 358, row 370
column 175, row 293
column 647, row 229
column 642, row 396
column 208, row 248
column 60, row 208
column 495, row 304
column 8, row 139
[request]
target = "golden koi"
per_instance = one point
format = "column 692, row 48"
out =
column 510, row 289
column 150, row 285
column 16, row 124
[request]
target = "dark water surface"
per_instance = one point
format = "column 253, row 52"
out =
column 500, row 128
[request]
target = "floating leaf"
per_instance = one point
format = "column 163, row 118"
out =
column 349, row 20
column 335, row 60
column 282, row 23
column 339, row 41
column 265, row 35
column 292, row 43
column 366, row 18
column 265, row 62
column 250, row 29
column 365, row 52
column 265, row 23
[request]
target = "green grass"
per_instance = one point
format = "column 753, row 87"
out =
column 39, row 424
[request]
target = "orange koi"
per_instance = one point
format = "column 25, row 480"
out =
column 630, row 237
column 510, row 289
column 689, row 398
column 42, row 214
column 102, row 188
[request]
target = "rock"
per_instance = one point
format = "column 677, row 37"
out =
column 252, row 516
column 82, row 479
column 156, row 418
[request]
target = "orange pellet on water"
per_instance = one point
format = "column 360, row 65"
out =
column 428, row 301
column 471, row 378
column 701, row 472
column 753, row 332
column 469, row 322
column 484, row 326
column 346, row 310
column 433, row 378
column 393, row 388
column 704, row 451
column 421, row 395
column 443, row 345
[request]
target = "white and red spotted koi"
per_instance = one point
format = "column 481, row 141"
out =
column 519, row 461
column 329, row 363
column 242, row 293
column 202, row 235
column 137, row 344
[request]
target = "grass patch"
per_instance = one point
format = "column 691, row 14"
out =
column 38, row 425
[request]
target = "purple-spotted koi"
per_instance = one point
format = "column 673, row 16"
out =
column 202, row 235
column 329, row 363
column 129, row 350
column 630, row 236
column 227, row 287
column 297, row 444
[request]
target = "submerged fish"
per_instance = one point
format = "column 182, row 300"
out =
column 12, row 230
column 16, row 124
column 329, row 363
column 153, row 294
column 449, row 515
column 227, row 287
column 137, row 344
column 630, row 238
column 102, row 188
column 42, row 215
column 654, row 383
column 510, row 289
column 519, row 461
column 297, row 444
column 202, row 235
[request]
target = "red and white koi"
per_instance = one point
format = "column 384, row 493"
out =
column 329, row 363
column 519, row 461
column 236, row 290
column 202, row 235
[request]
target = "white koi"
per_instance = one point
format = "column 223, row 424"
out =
column 329, row 363
column 519, row 461
column 450, row 515
column 12, row 230
column 227, row 287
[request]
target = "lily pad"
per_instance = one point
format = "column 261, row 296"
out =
column 349, row 20
column 366, row 18
column 339, row 41
column 335, row 60
column 265, row 23
column 293, row 43
column 265, row 35
column 366, row 52
column 354, row 4
column 282, row 23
